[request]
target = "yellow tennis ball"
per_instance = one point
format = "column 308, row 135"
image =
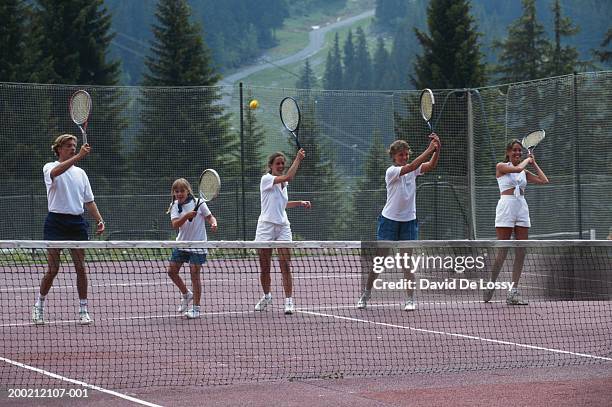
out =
column 254, row 104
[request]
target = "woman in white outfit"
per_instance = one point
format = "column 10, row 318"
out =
column 512, row 212
column 273, row 225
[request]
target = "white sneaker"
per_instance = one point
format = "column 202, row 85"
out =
column 363, row 300
column 185, row 301
column 289, row 307
column 263, row 303
column 514, row 298
column 84, row 318
column 193, row 313
column 37, row 315
column 488, row 294
column 409, row 305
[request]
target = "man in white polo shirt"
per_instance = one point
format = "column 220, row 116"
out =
column 68, row 193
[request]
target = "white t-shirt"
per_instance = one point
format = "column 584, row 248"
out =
column 274, row 200
column 401, row 194
column 67, row 192
column 196, row 229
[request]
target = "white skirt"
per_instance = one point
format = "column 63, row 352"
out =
column 512, row 211
column 269, row 232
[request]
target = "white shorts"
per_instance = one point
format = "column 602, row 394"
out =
column 268, row 232
column 512, row 211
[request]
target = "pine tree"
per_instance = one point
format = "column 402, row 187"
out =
column 13, row 17
column 332, row 78
column 523, row 53
column 451, row 53
column 380, row 66
column 363, row 62
column 350, row 69
column 78, row 38
column 190, row 119
column 307, row 79
column 603, row 54
column 184, row 128
column 76, row 42
column 563, row 59
column 369, row 197
column 25, row 148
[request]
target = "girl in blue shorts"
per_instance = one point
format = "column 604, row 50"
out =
column 181, row 212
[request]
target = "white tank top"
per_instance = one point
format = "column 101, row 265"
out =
column 516, row 180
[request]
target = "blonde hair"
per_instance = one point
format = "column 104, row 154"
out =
column 180, row 183
column 60, row 141
column 397, row 146
column 273, row 157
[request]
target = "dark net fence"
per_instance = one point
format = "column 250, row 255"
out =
column 144, row 138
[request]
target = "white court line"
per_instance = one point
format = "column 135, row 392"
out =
column 463, row 336
column 79, row 383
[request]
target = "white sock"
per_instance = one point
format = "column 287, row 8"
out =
column 40, row 301
column 187, row 294
column 83, row 305
column 288, row 300
column 268, row 296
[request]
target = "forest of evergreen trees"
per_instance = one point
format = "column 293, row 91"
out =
column 69, row 43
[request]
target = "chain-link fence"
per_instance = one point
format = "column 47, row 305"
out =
column 144, row 138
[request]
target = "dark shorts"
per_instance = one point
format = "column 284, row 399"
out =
column 393, row 230
column 61, row 226
column 182, row 256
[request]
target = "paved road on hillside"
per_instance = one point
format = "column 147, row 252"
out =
column 316, row 40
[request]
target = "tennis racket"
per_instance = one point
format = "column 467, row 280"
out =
column 80, row 108
column 427, row 104
column 290, row 116
column 208, row 188
column 533, row 139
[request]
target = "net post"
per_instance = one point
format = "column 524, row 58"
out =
column 470, row 163
column 242, row 187
column 577, row 156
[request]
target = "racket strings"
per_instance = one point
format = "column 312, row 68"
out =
column 426, row 106
column 80, row 107
column 533, row 139
column 209, row 186
column 290, row 115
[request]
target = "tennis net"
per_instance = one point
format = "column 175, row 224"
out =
column 138, row 339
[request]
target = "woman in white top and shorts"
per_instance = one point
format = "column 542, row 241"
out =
column 273, row 224
column 512, row 212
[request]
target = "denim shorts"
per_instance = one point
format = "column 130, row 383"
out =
column 394, row 230
column 183, row 256
column 61, row 226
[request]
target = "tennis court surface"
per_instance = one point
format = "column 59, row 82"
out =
column 139, row 343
